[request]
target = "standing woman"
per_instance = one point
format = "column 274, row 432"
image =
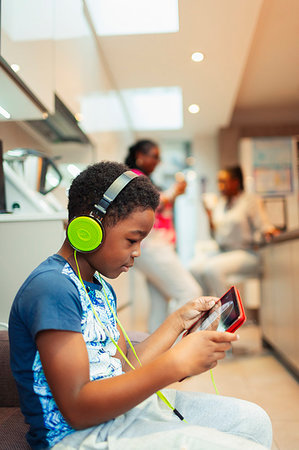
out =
column 166, row 277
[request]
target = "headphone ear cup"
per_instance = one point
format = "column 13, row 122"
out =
column 85, row 233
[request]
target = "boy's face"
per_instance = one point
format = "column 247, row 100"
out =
column 122, row 244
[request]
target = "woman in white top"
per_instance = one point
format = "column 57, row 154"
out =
column 238, row 223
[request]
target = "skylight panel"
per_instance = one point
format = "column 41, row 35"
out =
column 148, row 109
column 119, row 17
column 155, row 108
column 16, row 15
column 36, row 20
column 102, row 112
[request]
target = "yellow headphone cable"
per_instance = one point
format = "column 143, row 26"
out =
column 159, row 393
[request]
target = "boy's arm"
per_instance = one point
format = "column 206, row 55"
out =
column 85, row 403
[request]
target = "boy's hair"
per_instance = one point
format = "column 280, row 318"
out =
column 89, row 186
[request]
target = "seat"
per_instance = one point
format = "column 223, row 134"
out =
column 12, row 425
column 13, row 428
column 249, row 287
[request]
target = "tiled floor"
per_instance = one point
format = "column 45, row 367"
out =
column 255, row 374
column 252, row 373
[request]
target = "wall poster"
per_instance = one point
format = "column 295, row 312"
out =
column 273, row 166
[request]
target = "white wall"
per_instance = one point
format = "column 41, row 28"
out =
column 190, row 217
column 205, row 151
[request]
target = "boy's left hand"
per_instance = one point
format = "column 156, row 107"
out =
column 189, row 313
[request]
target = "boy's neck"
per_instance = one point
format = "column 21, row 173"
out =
column 67, row 252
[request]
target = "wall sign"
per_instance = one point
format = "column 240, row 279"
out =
column 273, row 166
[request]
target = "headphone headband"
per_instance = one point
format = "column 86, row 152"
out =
column 112, row 192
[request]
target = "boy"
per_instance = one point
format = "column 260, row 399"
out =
column 76, row 389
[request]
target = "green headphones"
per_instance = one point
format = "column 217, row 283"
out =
column 86, row 233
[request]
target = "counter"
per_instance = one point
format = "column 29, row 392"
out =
column 279, row 313
column 40, row 217
column 25, row 241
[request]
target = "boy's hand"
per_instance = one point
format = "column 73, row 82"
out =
column 189, row 313
column 200, row 351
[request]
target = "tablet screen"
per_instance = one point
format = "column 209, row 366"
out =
column 222, row 316
column 230, row 310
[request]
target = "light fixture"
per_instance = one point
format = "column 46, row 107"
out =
column 78, row 117
column 197, row 56
column 134, row 16
column 193, row 109
column 15, row 153
column 158, row 108
column 73, row 170
column 15, row 67
column 4, row 113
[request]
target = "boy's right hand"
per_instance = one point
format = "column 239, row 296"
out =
column 200, row 351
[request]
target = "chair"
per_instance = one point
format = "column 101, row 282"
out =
column 249, row 287
column 13, row 428
column 12, row 425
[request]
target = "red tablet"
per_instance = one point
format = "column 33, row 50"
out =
column 227, row 315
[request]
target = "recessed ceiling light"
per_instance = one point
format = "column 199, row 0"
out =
column 193, row 109
column 78, row 117
column 4, row 113
column 197, row 56
column 15, row 67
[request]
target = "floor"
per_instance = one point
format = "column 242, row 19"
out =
column 254, row 374
column 250, row 372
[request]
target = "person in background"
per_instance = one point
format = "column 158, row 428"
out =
column 238, row 223
column 169, row 282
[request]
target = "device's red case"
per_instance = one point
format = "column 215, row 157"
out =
column 238, row 322
column 241, row 319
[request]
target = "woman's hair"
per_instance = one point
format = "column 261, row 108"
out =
column 236, row 173
column 142, row 146
column 89, row 186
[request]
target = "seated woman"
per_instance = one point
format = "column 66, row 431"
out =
column 238, row 222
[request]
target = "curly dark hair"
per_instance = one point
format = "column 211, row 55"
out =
column 89, row 186
column 235, row 173
column 142, row 146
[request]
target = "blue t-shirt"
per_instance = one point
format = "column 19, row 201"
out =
column 53, row 297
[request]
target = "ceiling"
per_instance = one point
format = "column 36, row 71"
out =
column 249, row 76
column 250, row 73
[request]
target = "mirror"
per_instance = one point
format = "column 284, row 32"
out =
column 37, row 170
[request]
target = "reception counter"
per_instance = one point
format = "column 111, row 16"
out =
column 279, row 313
